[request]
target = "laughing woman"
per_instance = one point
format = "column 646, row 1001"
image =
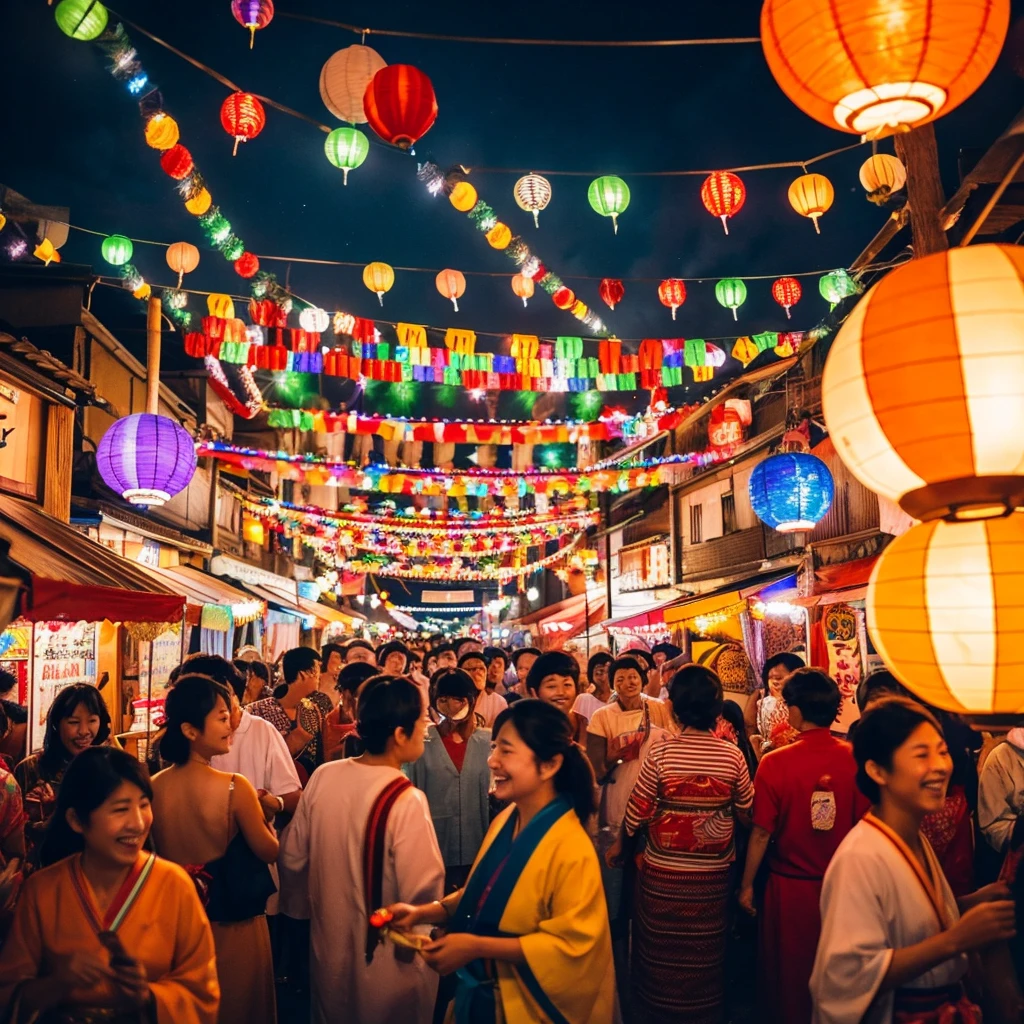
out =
column 528, row 935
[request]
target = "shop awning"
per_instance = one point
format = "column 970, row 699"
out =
column 569, row 618
column 845, row 581
column 203, row 590
column 49, row 600
column 642, row 620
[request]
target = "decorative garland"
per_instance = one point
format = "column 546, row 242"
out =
column 222, row 388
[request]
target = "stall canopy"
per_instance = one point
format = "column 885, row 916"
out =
column 203, row 590
column 845, row 581
column 49, row 600
column 569, row 618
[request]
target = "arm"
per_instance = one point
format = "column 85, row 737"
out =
column 293, row 860
column 251, row 822
column 643, row 801
column 759, row 840
column 282, row 780
column 597, row 752
column 297, row 740
column 742, row 792
column 997, row 812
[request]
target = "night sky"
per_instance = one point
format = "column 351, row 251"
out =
column 73, row 137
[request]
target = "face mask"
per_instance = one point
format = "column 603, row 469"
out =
column 460, row 716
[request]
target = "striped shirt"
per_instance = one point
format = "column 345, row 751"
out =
column 686, row 794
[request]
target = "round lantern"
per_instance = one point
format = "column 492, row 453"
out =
column 723, row 195
column 314, row 320
column 731, row 293
column 836, row 286
column 182, row 258
column 791, row 492
column 923, row 390
column 452, row 285
column 500, row 236
column 672, row 293
column 463, row 197
column 253, row 15
column 242, row 116
column 161, row 131
column 881, row 175
column 117, row 250
column 532, row 193
column 247, row 265
column 881, row 63
column 400, row 105
column 786, row 291
column 344, row 78
column 564, row 298
column 147, row 459
column 346, row 148
column 945, row 610
column 609, row 196
column 611, row 291
column 198, row 204
column 523, row 287
column 177, row 162
column 811, row 195
column 81, row 19
column 379, row 278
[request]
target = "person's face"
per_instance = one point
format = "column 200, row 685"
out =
column 334, row 666
column 558, row 690
column 495, row 672
column 429, row 667
column 514, row 766
column 395, row 664
column 236, row 713
column 475, row 646
column 117, row 829
column 777, row 676
column 599, row 677
column 453, row 708
column 523, row 665
column 920, row 771
column 253, row 686
column 446, row 659
column 628, row 684
column 357, row 654
column 409, row 748
column 476, row 669
column 215, row 737
column 79, row 730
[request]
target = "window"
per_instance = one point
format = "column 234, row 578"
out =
column 728, row 513
column 696, row 524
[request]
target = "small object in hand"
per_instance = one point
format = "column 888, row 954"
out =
column 119, row 959
column 381, row 918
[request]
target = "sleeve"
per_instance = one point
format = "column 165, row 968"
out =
column 12, row 811
column 22, row 955
column 419, row 869
column 742, row 788
column 577, row 707
column 998, row 807
column 293, row 857
column 189, row 993
column 643, row 801
column 600, row 724
column 282, row 778
column 766, row 799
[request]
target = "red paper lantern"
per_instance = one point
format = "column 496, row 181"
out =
column 786, row 291
column 722, row 195
column 672, row 293
column 611, row 291
column 263, row 312
column 177, row 162
column 400, row 104
column 247, row 265
column 243, row 116
column 564, row 297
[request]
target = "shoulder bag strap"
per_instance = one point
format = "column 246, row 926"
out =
column 373, row 855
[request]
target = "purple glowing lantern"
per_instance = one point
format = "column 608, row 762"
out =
column 147, row 459
column 253, row 15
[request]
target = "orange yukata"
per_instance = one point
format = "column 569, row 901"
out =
column 164, row 928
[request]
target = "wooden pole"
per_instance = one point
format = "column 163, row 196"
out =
column 920, row 155
column 153, row 325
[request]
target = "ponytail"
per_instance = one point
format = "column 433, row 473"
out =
column 575, row 781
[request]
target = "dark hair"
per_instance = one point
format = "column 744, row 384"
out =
column 883, row 729
column 54, row 752
column 296, row 661
column 351, row 677
column 596, row 661
column 554, row 663
column 325, row 655
column 386, row 703
column 787, row 659
column 547, row 732
column 257, row 668
column 733, row 714
column 669, row 650
column 91, row 778
column 395, row 647
column 219, row 669
column 472, row 656
column 459, row 642
column 190, row 701
column 645, row 656
column 627, row 661
column 440, row 649
column 8, row 681
column 365, row 644
column 814, row 694
column 495, row 654
column 696, row 695
column 453, row 682
column 879, row 682
column 516, row 655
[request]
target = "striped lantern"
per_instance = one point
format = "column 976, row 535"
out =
column 242, row 116
column 786, row 291
column 532, row 193
column 344, row 78
column 881, row 175
column 253, row 15
column 146, row 459
column 723, row 195
column 672, row 293
column 811, row 195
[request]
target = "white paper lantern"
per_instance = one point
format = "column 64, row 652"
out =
column 532, row 193
column 314, row 320
column 344, row 78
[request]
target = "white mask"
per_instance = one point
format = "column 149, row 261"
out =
column 460, row 716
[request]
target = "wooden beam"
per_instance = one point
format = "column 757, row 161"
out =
column 60, row 443
column 920, row 155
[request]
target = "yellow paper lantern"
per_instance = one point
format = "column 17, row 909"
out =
column 881, row 64
column 221, row 306
column 253, row 531
column 464, row 197
column 143, row 291
column 945, row 610
column 745, row 351
column 923, row 390
column 499, row 236
column 199, row 203
column 46, row 252
column 881, row 175
column 3, row 221
column 162, row 131
column 811, row 195
column 452, row 285
column 379, row 278
column 182, row 258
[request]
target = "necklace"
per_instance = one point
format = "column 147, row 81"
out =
column 198, row 759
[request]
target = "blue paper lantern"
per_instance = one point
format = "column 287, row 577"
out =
column 147, row 459
column 791, row 491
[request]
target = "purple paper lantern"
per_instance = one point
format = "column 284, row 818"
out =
column 147, row 459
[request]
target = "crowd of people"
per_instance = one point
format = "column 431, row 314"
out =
column 460, row 832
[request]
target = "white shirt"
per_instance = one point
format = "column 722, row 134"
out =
column 259, row 752
column 489, row 705
column 586, row 704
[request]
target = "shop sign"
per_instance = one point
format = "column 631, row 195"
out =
column 839, row 622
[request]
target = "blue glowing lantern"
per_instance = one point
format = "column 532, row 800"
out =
column 791, row 491
column 147, row 459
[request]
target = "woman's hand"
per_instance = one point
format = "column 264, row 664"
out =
column 450, row 952
column 985, row 924
column 613, row 855
column 405, row 916
column 81, row 970
column 131, row 984
column 746, row 900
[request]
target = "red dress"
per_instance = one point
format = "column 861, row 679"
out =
column 788, row 781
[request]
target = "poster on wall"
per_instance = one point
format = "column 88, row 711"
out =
column 842, row 640
column 63, row 653
column 14, row 655
column 164, row 656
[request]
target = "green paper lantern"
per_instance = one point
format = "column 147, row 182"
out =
column 346, row 148
column 81, row 19
column 609, row 196
column 117, row 250
column 836, row 286
column 731, row 292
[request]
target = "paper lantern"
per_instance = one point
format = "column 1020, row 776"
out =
column 177, row 162
column 198, row 204
column 811, row 195
column 532, row 193
column 243, row 117
column 945, row 610
column 346, row 148
column 923, row 390
column 221, row 306
column 609, row 196
column 247, row 265
column 182, row 258
column 786, row 291
column 564, row 298
column 379, row 278
column 836, row 286
column 745, row 351
column 147, row 459
column 117, row 250
column 3, row 221
column 161, row 131
column 672, row 293
column 731, row 293
column 463, row 197
column 344, row 78
column 47, row 252
column 253, row 531
column 452, row 285
column 611, row 291
column 723, row 195
column 143, row 292
column 499, row 236
column 81, row 19
column 791, row 491
column 523, row 287
column 253, row 15
column 881, row 175
column 314, row 319
column 400, row 105
column 875, row 64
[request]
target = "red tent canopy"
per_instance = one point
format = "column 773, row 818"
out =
column 49, row 600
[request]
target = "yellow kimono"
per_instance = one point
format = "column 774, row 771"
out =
column 165, row 929
column 548, row 882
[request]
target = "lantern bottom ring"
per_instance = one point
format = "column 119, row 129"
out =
column 148, row 497
column 889, row 104
column 966, row 499
column 796, row 526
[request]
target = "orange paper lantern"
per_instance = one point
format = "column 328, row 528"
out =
column 672, row 293
column 523, row 287
column 723, row 196
column 463, row 197
column 452, row 285
column 499, row 236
